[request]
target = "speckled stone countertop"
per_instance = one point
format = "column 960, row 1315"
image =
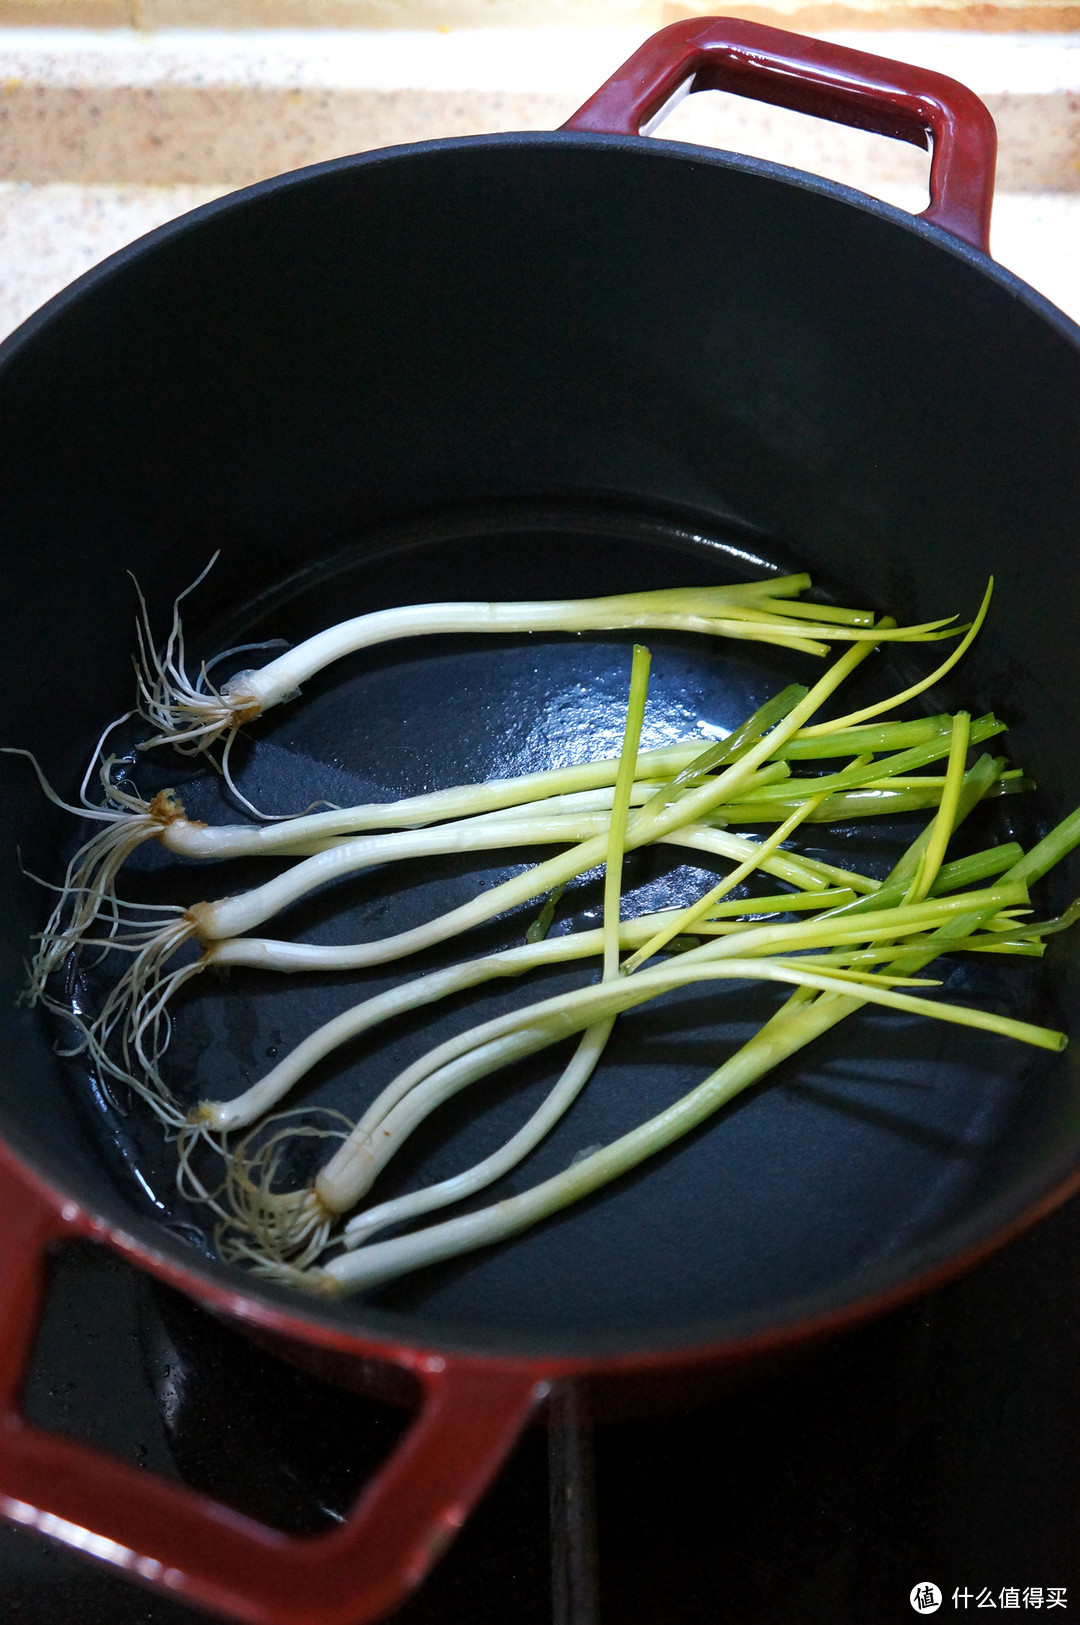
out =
column 200, row 107
column 121, row 105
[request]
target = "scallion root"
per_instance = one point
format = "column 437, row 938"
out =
column 126, row 1040
column 270, row 1229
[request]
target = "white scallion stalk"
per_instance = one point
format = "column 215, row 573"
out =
column 234, row 916
column 245, row 1109
column 403, row 1209
column 310, row 832
column 137, row 1006
column 268, row 953
column 379, row 1261
column 88, row 892
column 659, row 817
column 593, row 1040
column 135, row 1014
column 193, row 715
column 788, row 1031
column 349, row 1173
column 289, row 1227
column 794, row 1026
column 486, row 1056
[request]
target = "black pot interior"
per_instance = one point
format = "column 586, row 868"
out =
column 531, row 367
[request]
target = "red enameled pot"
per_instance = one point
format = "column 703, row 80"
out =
column 524, row 366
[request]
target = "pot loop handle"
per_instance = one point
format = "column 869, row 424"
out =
column 189, row 1546
column 829, row 81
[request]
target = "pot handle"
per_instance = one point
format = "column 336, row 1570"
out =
column 197, row 1550
column 812, row 76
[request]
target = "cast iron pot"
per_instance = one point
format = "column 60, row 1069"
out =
column 510, row 366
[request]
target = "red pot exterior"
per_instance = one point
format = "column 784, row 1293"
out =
column 471, row 1412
